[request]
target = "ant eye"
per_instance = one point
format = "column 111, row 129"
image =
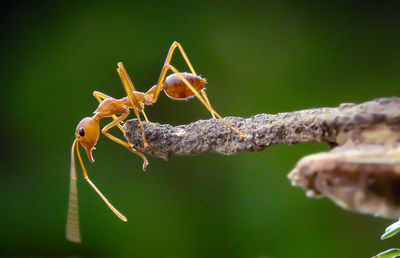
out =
column 81, row 132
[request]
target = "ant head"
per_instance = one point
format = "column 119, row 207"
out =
column 87, row 133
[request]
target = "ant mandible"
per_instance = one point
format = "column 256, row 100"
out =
column 177, row 86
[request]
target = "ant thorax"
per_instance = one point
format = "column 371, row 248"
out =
column 111, row 106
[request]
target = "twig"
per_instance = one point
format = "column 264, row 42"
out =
column 361, row 174
column 331, row 125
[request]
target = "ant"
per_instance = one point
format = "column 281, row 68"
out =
column 178, row 86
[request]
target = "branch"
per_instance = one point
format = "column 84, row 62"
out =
column 331, row 125
column 361, row 173
column 358, row 177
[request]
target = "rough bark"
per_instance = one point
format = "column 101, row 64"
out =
column 361, row 173
column 334, row 126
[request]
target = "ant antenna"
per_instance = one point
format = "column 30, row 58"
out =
column 73, row 232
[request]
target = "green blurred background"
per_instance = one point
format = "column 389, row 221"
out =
column 258, row 57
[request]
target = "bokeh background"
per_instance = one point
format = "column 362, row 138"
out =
column 258, row 57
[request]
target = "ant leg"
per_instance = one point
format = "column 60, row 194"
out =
column 129, row 88
column 127, row 83
column 183, row 53
column 203, row 101
column 123, row 143
column 203, row 92
column 168, row 61
column 100, row 96
column 195, row 92
column 144, row 115
column 85, row 175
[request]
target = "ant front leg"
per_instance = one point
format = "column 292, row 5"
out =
column 116, row 122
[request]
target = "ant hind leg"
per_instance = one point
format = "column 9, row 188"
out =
column 203, row 99
column 204, row 102
column 167, row 62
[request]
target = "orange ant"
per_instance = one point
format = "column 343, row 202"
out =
column 177, row 86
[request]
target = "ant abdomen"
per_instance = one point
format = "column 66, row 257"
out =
column 175, row 88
